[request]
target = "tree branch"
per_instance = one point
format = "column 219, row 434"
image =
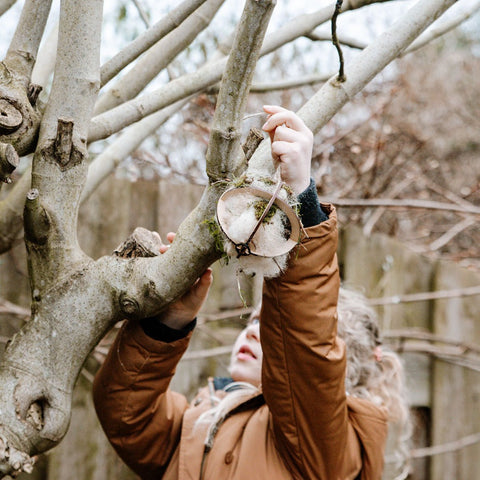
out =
column 5, row 5
column 20, row 119
column 142, row 13
column 110, row 122
column 10, row 308
column 448, row 447
column 224, row 147
column 124, row 145
column 286, row 84
column 62, row 143
column 425, row 296
column 451, row 233
column 442, row 28
column 8, row 162
column 351, row 42
column 143, row 42
column 334, row 95
column 47, row 54
column 11, row 212
column 23, row 48
column 403, row 203
column 158, row 57
column 34, row 374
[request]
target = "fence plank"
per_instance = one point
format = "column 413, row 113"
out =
column 456, row 400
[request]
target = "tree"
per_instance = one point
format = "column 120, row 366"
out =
column 76, row 299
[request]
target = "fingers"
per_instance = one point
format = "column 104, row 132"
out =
column 194, row 299
column 286, row 134
column 170, row 238
column 286, row 151
column 205, row 280
column 200, row 288
column 281, row 116
column 291, row 144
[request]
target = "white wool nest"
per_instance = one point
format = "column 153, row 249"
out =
column 239, row 222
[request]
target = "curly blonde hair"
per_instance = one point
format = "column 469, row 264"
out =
column 379, row 378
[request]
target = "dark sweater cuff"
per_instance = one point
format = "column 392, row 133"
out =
column 157, row 330
column 311, row 212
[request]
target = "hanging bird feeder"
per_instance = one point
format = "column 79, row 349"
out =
column 258, row 222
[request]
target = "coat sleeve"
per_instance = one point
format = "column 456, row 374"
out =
column 141, row 417
column 303, row 361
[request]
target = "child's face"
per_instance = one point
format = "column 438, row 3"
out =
column 246, row 360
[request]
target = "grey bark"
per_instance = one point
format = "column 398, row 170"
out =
column 5, row 5
column 20, row 119
column 158, row 57
column 146, row 40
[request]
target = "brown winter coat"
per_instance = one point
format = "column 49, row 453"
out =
column 307, row 429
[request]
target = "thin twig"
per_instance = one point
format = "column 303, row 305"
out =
column 142, row 13
column 351, row 42
column 451, row 233
column 341, row 74
column 214, row 317
column 442, row 28
column 441, row 448
column 409, row 334
column 401, row 203
column 425, row 296
column 10, row 308
column 375, row 216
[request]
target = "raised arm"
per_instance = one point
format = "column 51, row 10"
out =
column 303, row 361
column 140, row 415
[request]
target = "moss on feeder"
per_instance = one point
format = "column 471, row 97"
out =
column 260, row 206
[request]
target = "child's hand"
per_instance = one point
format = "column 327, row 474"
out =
column 292, row 145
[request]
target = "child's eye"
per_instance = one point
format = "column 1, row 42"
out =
column 254, row 321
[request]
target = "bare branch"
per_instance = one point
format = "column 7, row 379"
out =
column 110, row 122
column 334, row 95
column 445, row 447
column 158, row 57
column 107, row 123
column 74, row 91
column 341, row 70
column 425, row 296
column 307, row 80
column 11, row 212
column 224, row 146
column 346, row 40
column 23, row 48
column 142, row 13
column 403, row 203
column 47, row 54
column 373, row 219
column 20, row 118
column 143, row 42
column 451, row 233
column 442, row 28
column 10, row 308
column 5, row 5
column 124, row 145
column 411, row 334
